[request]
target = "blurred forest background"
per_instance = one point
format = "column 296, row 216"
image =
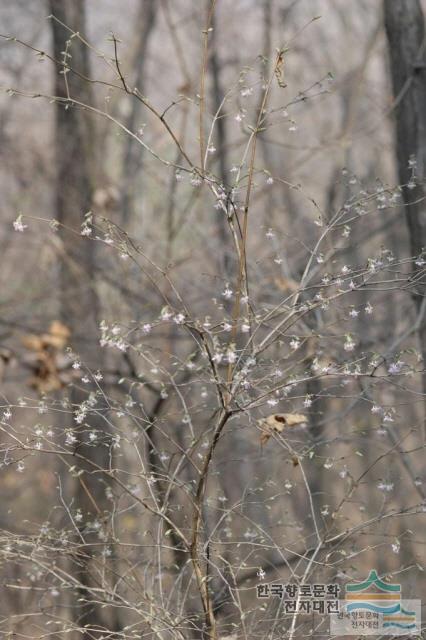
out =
column 212, row 311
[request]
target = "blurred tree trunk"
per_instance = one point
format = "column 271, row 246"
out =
column 133, row 152
column 75, row 165
column 405, row 30
column 218, row 94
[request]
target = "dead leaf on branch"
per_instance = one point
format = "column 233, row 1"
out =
column 47, row 359
column 279, row 70
column 277, row 422
column 56, row 337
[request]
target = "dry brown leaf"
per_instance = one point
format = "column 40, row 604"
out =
column 277, row 422
column 46, row 361
column 58, row 335
column 32, row 342
column 46, row 384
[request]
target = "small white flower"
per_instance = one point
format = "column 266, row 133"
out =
column 70, row 438
column 368, row 308
column 269, row 234
column 18, row 225
column 231, row 355
column 295, row 344
column 354, row 313
column 211, row 149
column 146, row 328
column 307, row 402
column 270, row 180
column 179, row 318
column 349, row 344
column 166, row 314
column 385, row 486
column 396, row 546
column 395, row 367
column 121, row 345
column 227, row 293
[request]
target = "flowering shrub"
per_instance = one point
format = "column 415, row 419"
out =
column 238, row 398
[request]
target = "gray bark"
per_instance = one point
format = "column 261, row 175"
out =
column 133, row 154
column 75, row 162
column 405, row 31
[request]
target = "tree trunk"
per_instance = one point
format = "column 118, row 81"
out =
column 217, row 94
column 405, row 30
column 75, row 163
column 133, row 152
